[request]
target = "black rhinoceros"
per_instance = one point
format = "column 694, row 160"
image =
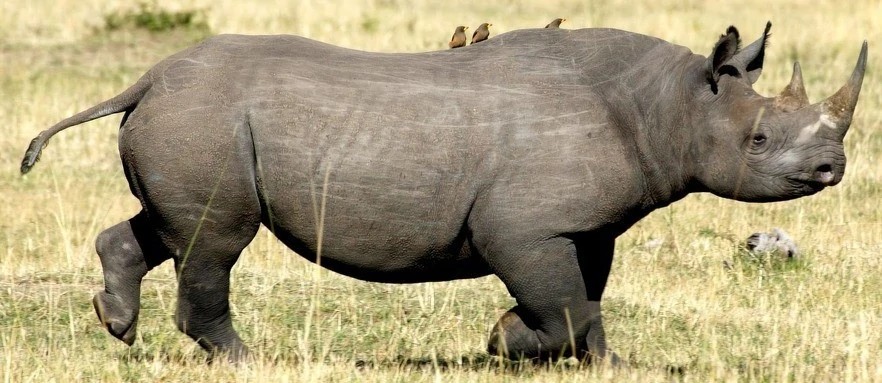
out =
column 414, row 167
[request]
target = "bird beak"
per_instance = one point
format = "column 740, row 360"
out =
column 489, row 25
column 562, row 20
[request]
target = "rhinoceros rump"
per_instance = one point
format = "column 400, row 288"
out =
column 429, row 171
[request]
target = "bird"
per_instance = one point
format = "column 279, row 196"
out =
column 555, row 23
column 481, row 33
column 459, row 38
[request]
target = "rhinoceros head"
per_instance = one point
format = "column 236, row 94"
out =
column 755, row 148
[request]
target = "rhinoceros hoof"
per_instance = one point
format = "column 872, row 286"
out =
column 113, row 314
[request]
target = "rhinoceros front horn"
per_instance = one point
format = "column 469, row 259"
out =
column 840, row 107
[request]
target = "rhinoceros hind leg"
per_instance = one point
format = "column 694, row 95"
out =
column 203, row 311
column 127, row 252
column 203, row 268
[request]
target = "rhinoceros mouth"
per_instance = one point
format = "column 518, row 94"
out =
column 808, row 186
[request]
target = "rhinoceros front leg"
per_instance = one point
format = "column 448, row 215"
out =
column 128, row 250
column 558, row 284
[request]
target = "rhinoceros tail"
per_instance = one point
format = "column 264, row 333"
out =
column 122, row 102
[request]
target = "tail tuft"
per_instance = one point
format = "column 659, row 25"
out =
column 32, row 155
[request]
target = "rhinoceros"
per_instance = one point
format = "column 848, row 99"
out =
column 415, row 167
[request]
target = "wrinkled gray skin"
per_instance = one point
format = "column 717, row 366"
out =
column 524, row 157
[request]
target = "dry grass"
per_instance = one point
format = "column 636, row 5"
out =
column 672, row 305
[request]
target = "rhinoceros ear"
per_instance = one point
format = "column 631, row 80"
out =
column 750, row 60
column 724, row 50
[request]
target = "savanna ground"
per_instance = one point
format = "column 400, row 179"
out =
column 670, row 301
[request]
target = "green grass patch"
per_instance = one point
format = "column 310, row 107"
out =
column 151, row 17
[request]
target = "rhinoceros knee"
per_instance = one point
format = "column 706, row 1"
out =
column 119, row 253
column 105, row 240
column 116, row 240
column 514, row 339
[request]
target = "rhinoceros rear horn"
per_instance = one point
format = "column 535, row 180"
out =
column 840, row 106
column 793, row 96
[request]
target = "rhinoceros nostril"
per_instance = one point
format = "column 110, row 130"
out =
column 824, row 174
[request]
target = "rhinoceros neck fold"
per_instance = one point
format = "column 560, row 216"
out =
column 663, row 123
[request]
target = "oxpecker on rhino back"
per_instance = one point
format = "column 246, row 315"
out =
column 385, row 165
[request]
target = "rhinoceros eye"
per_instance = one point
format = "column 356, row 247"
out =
column 759, row 139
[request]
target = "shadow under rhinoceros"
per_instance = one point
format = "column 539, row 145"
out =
column 470, row 362
column 490, row 363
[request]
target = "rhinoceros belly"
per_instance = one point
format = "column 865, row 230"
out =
column 364, row 197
